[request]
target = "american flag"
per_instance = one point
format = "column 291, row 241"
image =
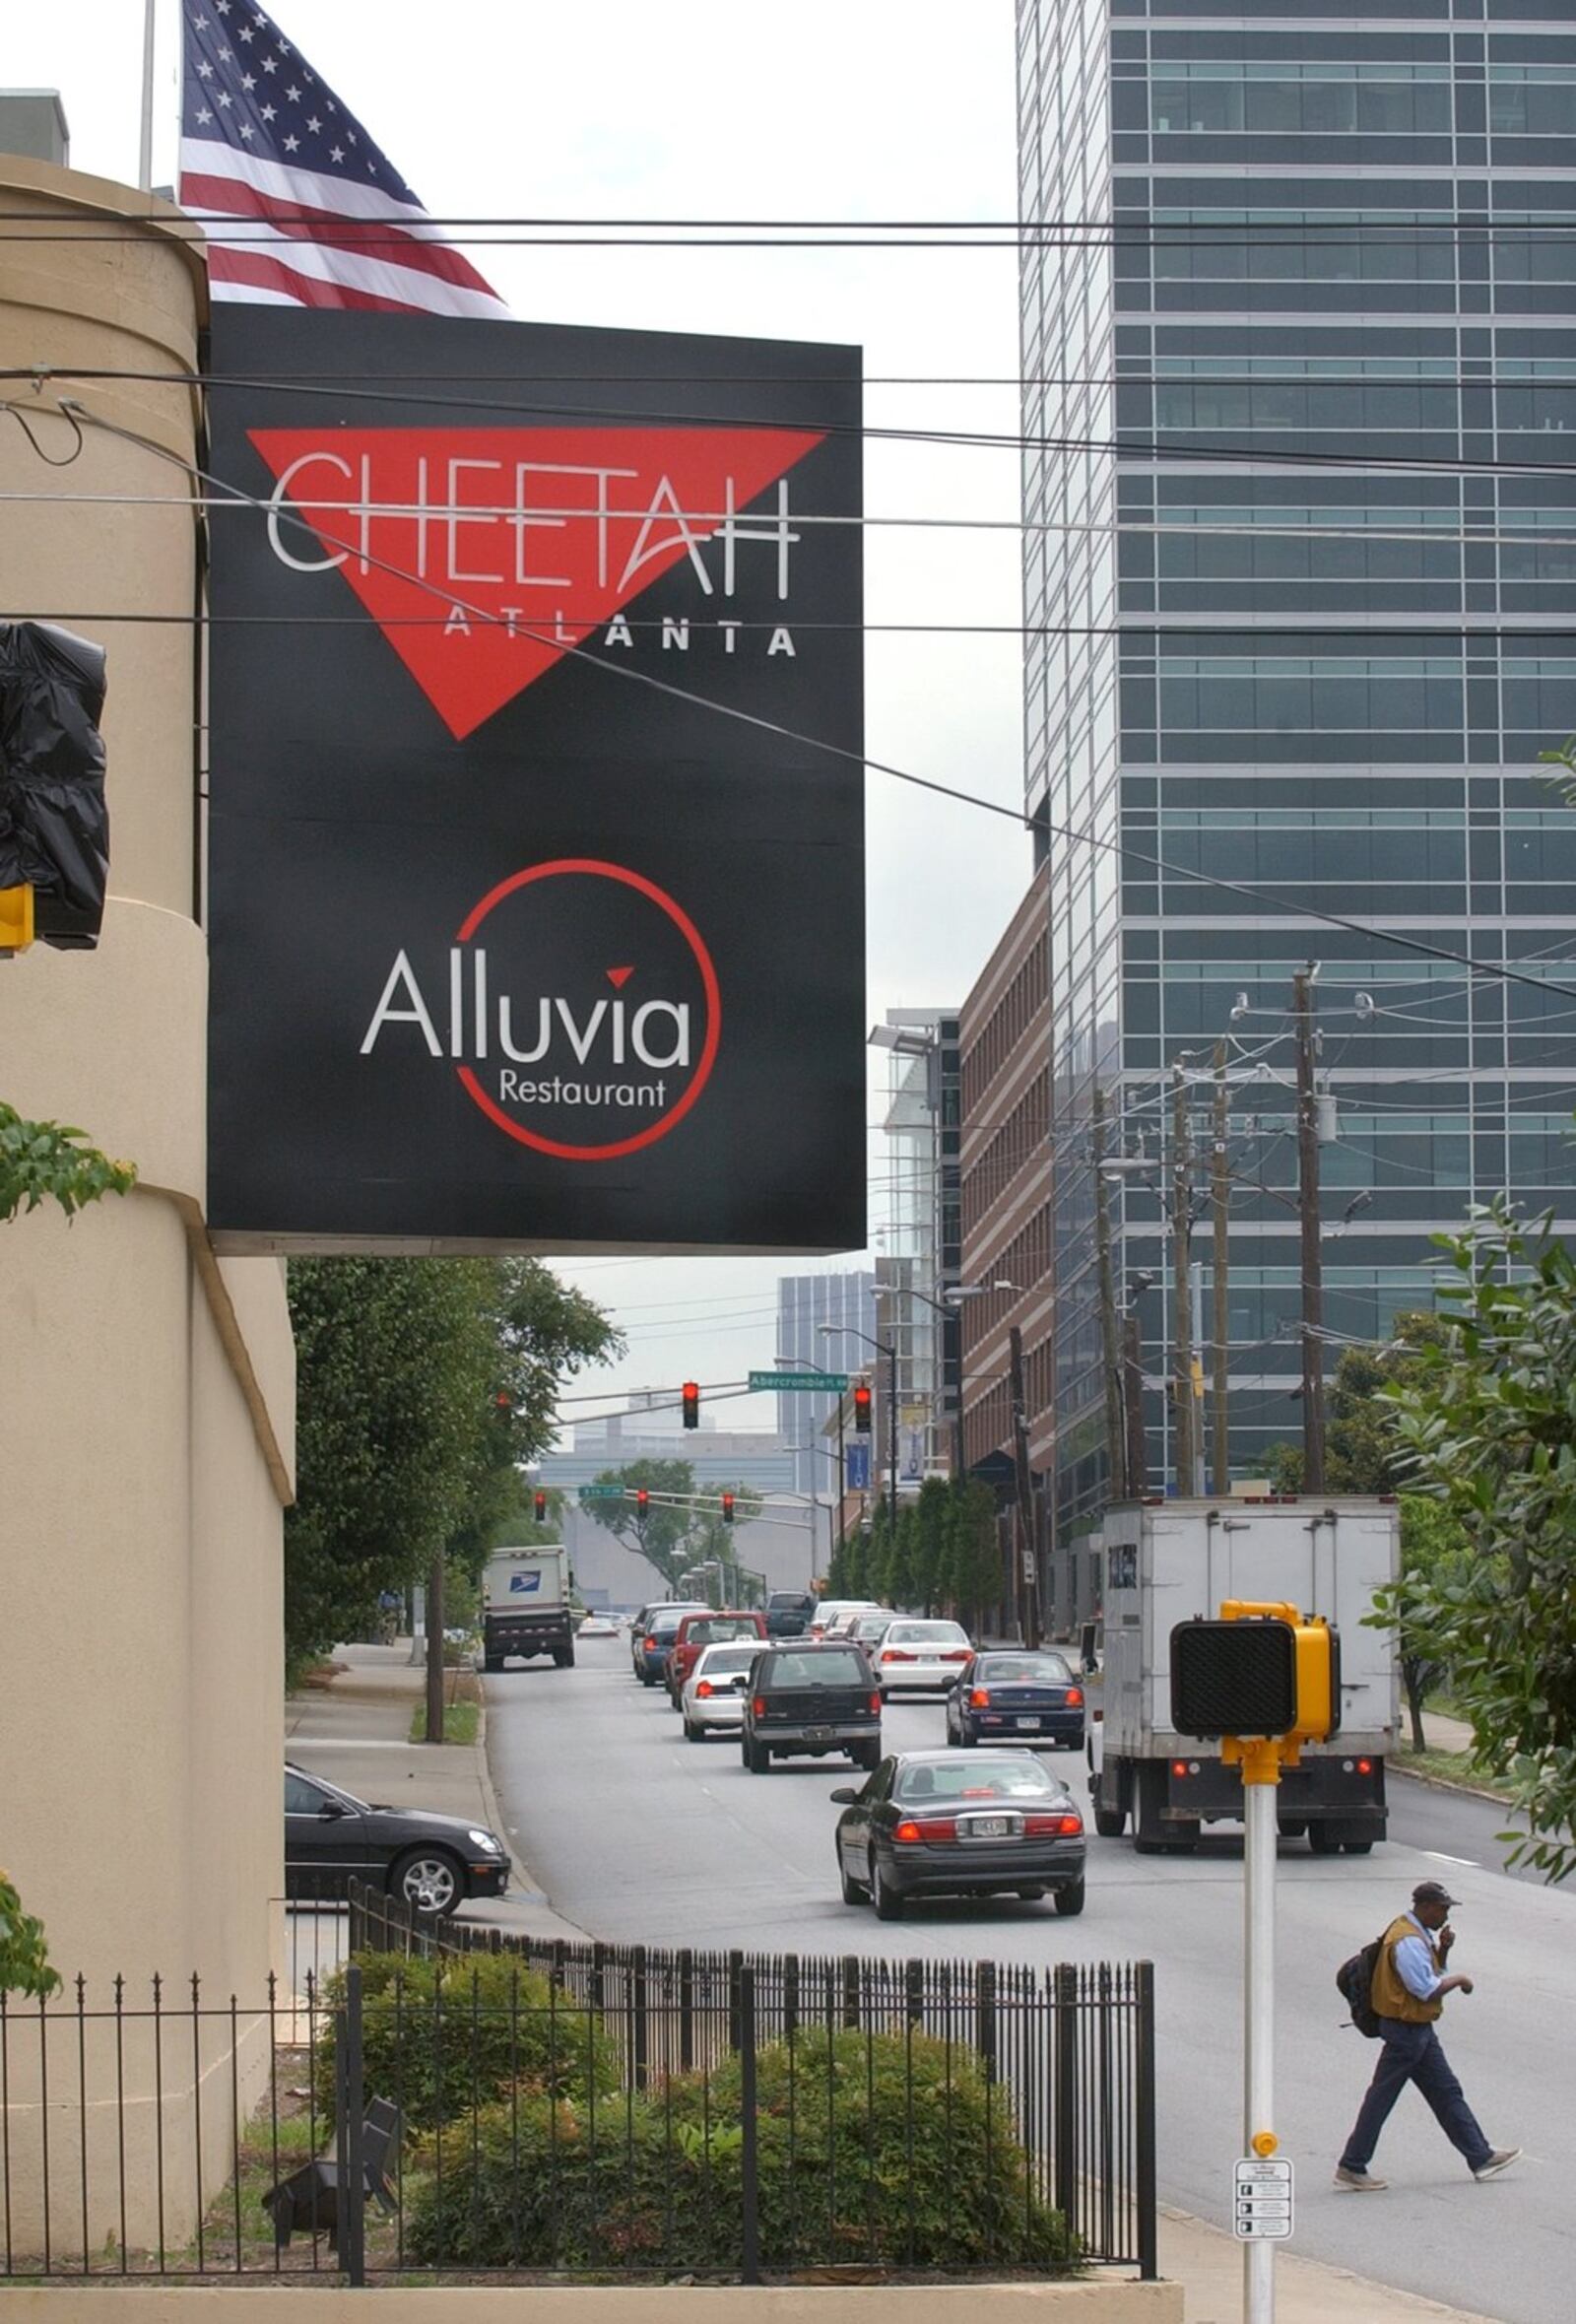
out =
column 322, row 218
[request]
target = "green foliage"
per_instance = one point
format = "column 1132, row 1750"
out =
column 49, row 1161
column 890, row 2150
column 973, row 1562
column 929, row 1554
column 24, row 1954
column 441, row 2037
column 404, row 1448
column 1487, row 1417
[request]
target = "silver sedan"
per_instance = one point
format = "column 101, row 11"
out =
column 714, row 1692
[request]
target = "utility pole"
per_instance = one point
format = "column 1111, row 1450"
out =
column 1220, row 1185
column 1182, row 1404
column 1138, row 1468
column 1024, row 1527
column 1110, row 1359
column 435, row 1652
column 891, row 1433
column 1308, row 1216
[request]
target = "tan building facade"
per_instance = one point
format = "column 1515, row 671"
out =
column 147, row 1388
column 1004, row 1041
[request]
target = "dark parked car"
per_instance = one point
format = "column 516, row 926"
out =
column 789, row 1613
column 653, row 1635
column 696, row 1633
column 806, row 1700
column 433, row 1862
column 1017, row 1696
column 940, row 1823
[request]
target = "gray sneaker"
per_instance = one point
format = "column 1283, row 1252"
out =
column 1501, row 2159
column 1363, row 2182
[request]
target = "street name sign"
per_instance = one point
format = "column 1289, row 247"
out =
column 1261, row 2199
column 602, row 1492
column 835, row 1382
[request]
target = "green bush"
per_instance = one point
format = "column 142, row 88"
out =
column 893, row 2150
column 441, row 2037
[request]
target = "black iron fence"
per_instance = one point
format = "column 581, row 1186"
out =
column 456, row 2100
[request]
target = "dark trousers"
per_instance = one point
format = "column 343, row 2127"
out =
column 1413, row 2053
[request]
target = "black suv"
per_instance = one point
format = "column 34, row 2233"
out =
column 807, row 1699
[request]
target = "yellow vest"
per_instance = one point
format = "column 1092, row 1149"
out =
column 1389, row 1996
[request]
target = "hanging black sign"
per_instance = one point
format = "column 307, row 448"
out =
column 535, row 913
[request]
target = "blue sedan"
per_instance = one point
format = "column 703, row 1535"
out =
column 1017, row 1695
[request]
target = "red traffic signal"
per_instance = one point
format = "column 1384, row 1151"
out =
column 504, row 1402
column 643, row 1501
column 690, row 1393
column 541, row 1506
column 727, row 1508
column 862, row 1409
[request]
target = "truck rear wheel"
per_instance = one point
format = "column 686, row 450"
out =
column 1110, row 1823
column 1322, row 1840
column 491, row 1662
column 564, row 1657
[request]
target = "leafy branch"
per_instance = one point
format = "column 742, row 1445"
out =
column 49, row 1161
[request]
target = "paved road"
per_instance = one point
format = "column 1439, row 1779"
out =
column 636, row 1834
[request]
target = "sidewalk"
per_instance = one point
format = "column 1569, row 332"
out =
column 354, row 1732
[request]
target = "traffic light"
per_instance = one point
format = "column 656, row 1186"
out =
column 1256, row 1670
column 727, row 1508
column 54, row 827
column 643, row 1504
column 690, row 1393
column 541, row 1508
column 862, row 1402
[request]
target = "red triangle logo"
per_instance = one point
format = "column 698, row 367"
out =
column 484, row 554
column 620, row 977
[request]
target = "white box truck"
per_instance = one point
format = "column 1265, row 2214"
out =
column 525, row 1606
column 1166, row 1562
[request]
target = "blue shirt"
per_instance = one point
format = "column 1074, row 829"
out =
column 1415, row 1963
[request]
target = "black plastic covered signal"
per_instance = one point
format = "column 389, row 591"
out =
column 1233, row 1678
column 54, row 824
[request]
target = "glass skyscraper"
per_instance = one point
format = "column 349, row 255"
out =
column 1299, row 368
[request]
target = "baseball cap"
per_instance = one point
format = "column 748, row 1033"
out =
column 1432, row 1891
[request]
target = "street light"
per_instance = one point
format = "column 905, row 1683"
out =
column 888, row 1348
column 952, row 1298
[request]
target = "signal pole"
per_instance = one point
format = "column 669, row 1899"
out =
column 1110, row 1358
column 1220, row 1185
column 1308, row 1216
column 1028, row 1588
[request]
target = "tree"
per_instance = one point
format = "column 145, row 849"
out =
column 24, row 1956
column 900, row 1586
column 680, row 1532
column 973, row 1556
column 403, row 1448
column 49, row 1161
column 1487, row 1419
column 929, row 1543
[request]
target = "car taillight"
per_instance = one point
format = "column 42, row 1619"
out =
column 907, row 1831
column 1074, row 1698
column 938, row 1827
column 895, row 1654
column 1049, row 1828
column 758, row 1706
column 979, row 1699
column 704, row 1687
column 956, row 1654
column 1365, row 1767
column 874, row 1703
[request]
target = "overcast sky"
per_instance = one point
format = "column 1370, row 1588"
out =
column 850, row 109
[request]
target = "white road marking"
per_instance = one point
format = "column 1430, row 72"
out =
column 1439, row 1857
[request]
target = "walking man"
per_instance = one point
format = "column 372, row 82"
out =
column 1410, row 1985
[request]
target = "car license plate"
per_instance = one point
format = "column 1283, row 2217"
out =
column 1028, row 1722
column 989, row 1828
column 817, row 1733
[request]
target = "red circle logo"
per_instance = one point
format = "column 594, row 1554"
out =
column 673, row 915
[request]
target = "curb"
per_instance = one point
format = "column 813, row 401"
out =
column 529, row 1886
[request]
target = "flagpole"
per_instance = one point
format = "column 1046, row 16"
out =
column 145, row 165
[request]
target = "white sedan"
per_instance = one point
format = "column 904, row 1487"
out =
column 920, row 1657
column 598, row 1625
column 714, row 1692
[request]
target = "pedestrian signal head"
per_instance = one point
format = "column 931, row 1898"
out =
column 1258, row 1672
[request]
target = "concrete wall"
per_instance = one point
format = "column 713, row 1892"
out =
column 1101, row 2301
column 146, row 1388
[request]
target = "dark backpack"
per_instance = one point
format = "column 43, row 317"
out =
column 1355, row 1984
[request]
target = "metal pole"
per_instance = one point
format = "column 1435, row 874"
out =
column 1259, row 1791
column 891, row 1434
column 1181, row 1287
column 1312, row 1260
column 1221, row 1185
column 1024, row 1493
column 1199, row 1485
column 435, row 1652
column 145, row 156
column 1138, row 1467
column 1114, row 1452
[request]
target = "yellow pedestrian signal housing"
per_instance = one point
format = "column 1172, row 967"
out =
column 16, row 919
column 1257, row 1671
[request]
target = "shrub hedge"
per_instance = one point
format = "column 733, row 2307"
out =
column 442, row 2038
column 890, row 2150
